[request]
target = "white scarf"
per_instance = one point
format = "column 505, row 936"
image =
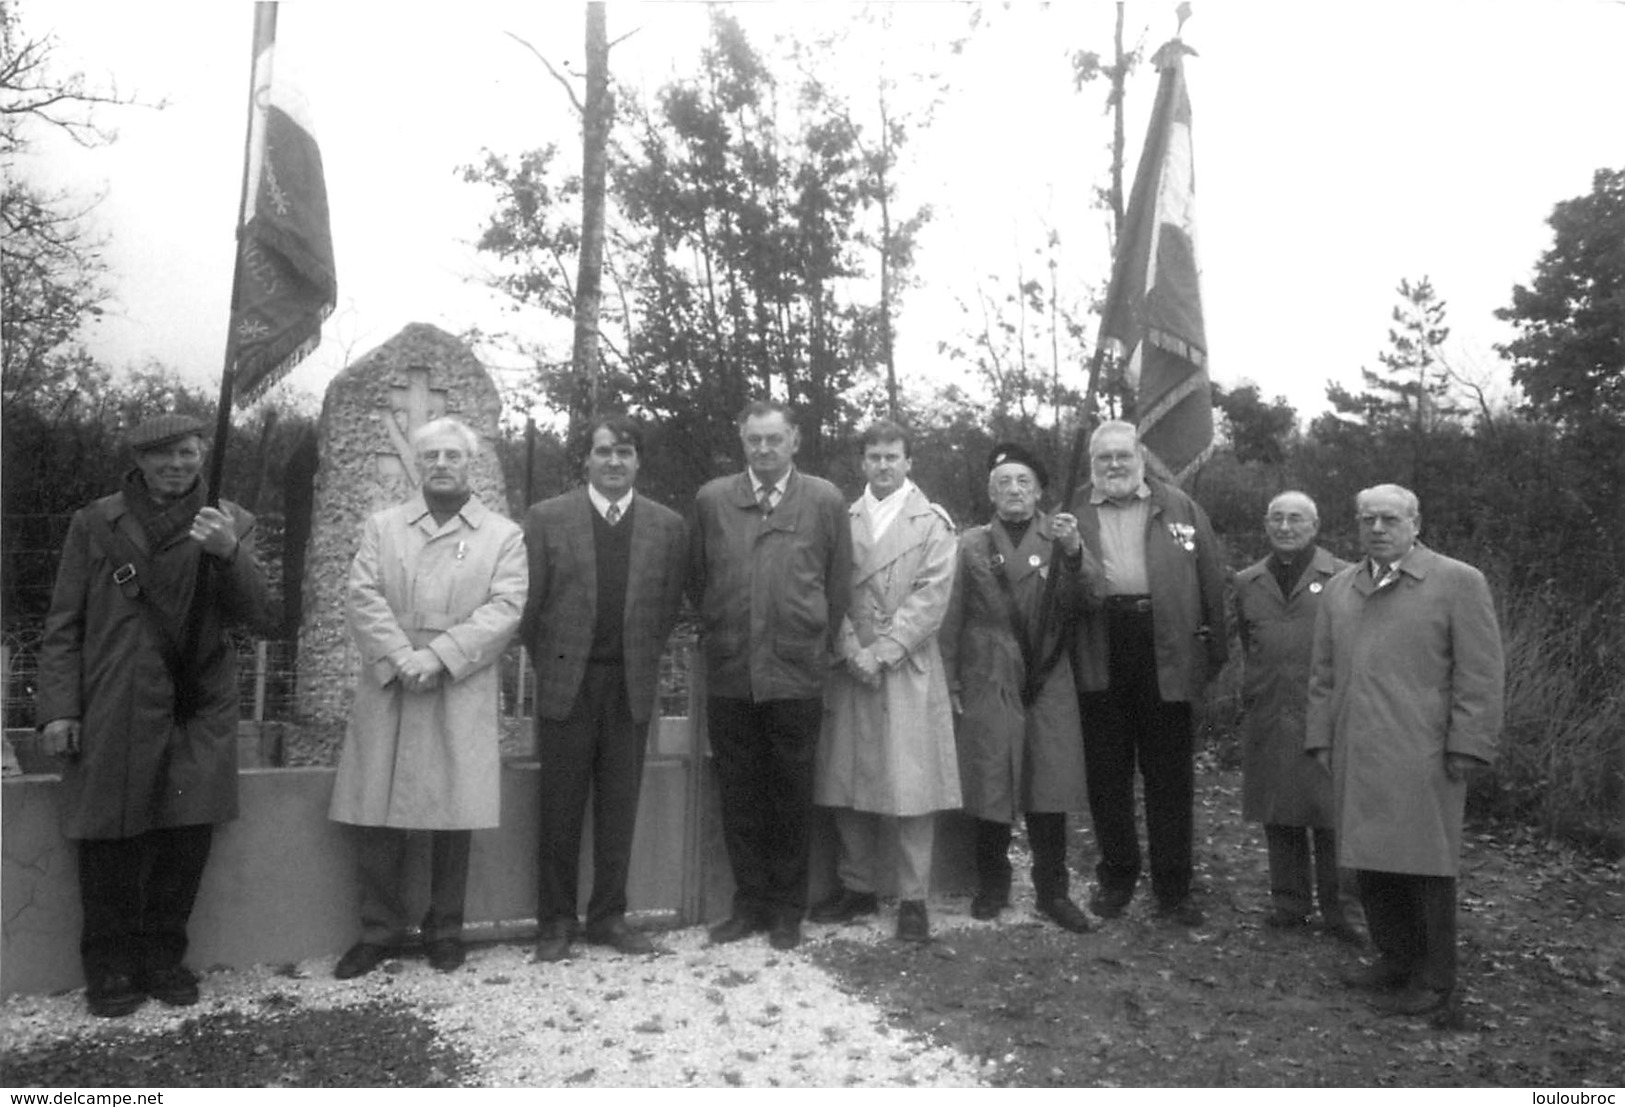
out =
column 883, row 512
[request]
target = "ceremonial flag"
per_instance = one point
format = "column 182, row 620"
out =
column 284, row 285
column 1154, row 305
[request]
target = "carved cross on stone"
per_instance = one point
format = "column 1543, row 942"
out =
column 410, row 406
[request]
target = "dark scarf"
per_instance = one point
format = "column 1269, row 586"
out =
column 444, row 507
column 168, row 580
column 1287, row 571
column 1017, row 528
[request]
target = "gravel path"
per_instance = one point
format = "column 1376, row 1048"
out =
column 741, row 1015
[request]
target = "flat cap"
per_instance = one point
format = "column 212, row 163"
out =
column 161, row 430
column 1014, row 453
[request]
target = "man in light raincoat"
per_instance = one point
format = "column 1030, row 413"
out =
column 436, row 591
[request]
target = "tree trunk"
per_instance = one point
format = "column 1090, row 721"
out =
column 597, row 115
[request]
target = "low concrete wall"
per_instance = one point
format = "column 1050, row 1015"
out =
column 280, row 884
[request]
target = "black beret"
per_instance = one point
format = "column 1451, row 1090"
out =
column 1006, row 453
column 161, row 430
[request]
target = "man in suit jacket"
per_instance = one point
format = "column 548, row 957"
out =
column 1406, row 685
column 772, row 576
column 606, row 581
column 1141, row 660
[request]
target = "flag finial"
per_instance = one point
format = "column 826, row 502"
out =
column 1182, row 13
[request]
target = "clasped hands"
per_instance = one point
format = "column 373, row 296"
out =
column 869, row 663
column 420, row 671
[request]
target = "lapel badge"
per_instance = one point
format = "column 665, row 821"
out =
column 1035, row 561
column 1315, row 587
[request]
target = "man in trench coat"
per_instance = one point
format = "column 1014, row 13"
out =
column 886, row 760
column 606, row 582
column 142, row 707
column 436, row 591
column 1019, row 747
column 1282, row 788
column 1405, row 700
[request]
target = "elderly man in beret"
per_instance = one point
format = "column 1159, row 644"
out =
column 138, row 696
column 1017, row 726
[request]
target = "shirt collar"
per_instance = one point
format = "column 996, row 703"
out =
column 757, row 484
column 601, row 502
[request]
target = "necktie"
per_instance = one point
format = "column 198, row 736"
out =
column 765, row 498
column 613, row 515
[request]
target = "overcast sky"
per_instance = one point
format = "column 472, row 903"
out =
column 1339, row 148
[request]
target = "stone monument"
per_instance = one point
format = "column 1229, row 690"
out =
column 365, row 464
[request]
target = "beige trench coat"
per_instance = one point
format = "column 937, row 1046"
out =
column 429, row 760
column 891, row 749
column 1400, row 677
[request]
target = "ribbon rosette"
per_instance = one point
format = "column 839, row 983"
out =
column 1184, row 534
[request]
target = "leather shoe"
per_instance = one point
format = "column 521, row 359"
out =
column 1064, row 914
column 113, row 995
column 1282, row 919
column 913, row 925
column 987, row 905
column 174, row 985
column 844, row 906
column 785, row 934
column 552, row 947
column 1411, row 1000
column 1108, row 903
column 445, row 954
column 620, row 937
column 735, row 928
column 359, row 960
column 1345, row 932
column 1181, row 912
column 1379, row 976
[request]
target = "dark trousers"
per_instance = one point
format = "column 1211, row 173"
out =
column 137, row 895
column 381, row 864
column 1303, row 871
column 599, row 748
column 1046, row 834
column 1412, row 922
column 763, row 756
column 1128, row 724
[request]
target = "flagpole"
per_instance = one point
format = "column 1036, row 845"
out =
column 264, row 35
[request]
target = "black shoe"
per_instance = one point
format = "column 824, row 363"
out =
column 1379, row 976
column 552, row 948
column 175, row 985
column 1345, row 932
column 113, row 995
column 844, row 906
column 1064, row 914
column 987, row 905
column 1108, row 903
column 620, row 937
column 913, row 925
column 785, row 934
column 735, row 928
column 1181, row 912
column 359, row 960
column 1280, row 918
column 445, row 954
column 1414, row 999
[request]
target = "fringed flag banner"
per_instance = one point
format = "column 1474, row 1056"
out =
column 1154, row 306
column 285, row 285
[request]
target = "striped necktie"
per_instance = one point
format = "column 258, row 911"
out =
column 765, row 498
column 613, row 515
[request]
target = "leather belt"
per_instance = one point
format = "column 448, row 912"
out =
column 1138, row 605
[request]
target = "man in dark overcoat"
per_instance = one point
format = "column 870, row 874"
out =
column 1277, row 598
column 138, row 696
column 607, row 566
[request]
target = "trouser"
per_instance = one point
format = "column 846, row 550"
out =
column 137, row 895
column 763, row 753
column 1046, row 834
column 861, row 835
column 381, row 861
column 1293, row 889
column 1412, row 922
column 1127, row 724
column 598, row 748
